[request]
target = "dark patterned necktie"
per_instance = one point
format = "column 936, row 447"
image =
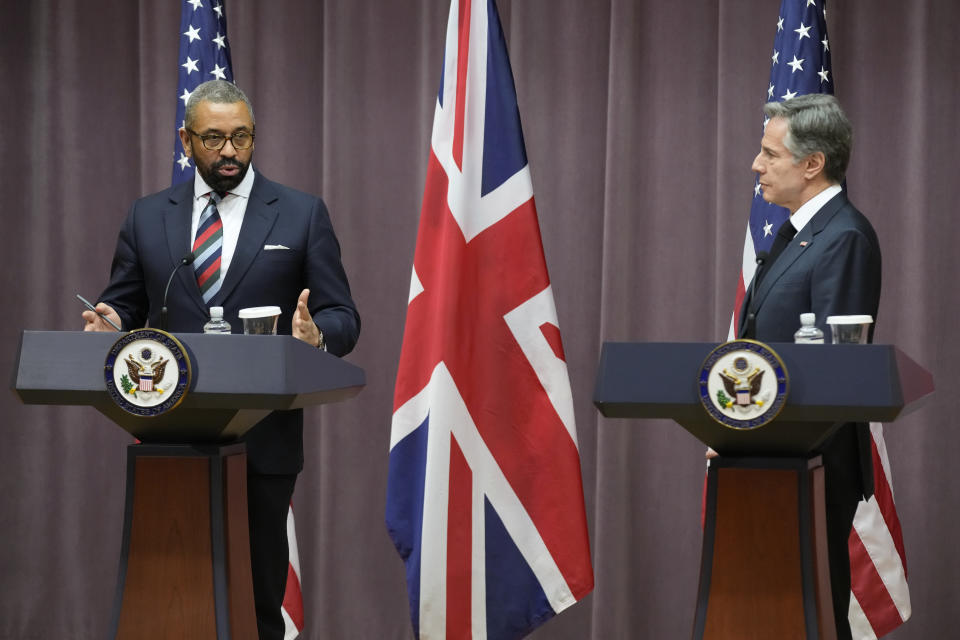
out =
column 207, row 249
column 784, row 236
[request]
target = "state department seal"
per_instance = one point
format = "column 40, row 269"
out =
column 743, row 384
column 147, row 372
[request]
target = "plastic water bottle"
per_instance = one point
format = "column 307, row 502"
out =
column 808, row 333
column 218, row 325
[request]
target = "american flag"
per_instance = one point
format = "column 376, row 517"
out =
column 205, row 55
column 292, row 608
column 485, row 498
column 880, row 599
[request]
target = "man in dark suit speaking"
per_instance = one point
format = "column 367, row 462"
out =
column 825, row 260
column 256, row 243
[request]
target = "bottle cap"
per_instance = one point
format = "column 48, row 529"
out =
column 808, row 318
column 216, row 312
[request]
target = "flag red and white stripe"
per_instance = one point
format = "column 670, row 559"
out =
column 880, row 599
column 292, row 609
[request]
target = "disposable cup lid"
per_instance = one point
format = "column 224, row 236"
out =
column 259, row 312
column 848, row 320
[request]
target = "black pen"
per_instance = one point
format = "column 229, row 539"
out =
column 87, row 304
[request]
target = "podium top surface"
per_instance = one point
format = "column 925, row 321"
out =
column 228, row 371
column 826, row 382
column 828, row 385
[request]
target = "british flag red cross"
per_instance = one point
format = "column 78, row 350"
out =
column 485, row 498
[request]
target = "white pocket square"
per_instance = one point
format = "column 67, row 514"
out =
column 273, row 247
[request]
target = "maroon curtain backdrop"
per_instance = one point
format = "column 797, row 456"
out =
column 641, row 118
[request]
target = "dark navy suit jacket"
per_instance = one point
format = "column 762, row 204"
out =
column 831, row 267
column 156, row 236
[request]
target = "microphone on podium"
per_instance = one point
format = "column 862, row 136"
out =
column 184, row 261
column 762, row 257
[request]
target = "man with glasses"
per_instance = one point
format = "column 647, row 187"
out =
column 254, row 243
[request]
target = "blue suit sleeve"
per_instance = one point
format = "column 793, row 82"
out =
column 331, row 304
column 127, row 292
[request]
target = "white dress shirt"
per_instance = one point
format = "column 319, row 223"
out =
column 809, row 209
column 231, row 209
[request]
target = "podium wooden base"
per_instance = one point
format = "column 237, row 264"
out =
column 185, row 561
column 764, row 571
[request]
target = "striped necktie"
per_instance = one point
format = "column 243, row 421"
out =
column 207, row 249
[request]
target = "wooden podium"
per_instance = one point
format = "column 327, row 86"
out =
column 185, row 557
column 764, row 571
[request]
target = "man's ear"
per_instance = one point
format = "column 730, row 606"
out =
column 185, row 141
column 815, row 163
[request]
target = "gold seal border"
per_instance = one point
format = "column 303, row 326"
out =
column 183, row 351
column 768, row 417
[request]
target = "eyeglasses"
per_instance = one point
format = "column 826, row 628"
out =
column 214, row 141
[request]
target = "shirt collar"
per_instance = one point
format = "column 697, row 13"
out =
column 809, row 209
column 201, row 189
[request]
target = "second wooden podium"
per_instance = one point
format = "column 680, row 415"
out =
column 764, row 571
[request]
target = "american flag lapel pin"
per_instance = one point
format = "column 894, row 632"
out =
column 804, row 243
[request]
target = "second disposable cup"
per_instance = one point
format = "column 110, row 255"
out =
column 849, row 329
column 260, row 320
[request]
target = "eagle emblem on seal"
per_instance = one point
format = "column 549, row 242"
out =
column 145, row 370
column 742, row 386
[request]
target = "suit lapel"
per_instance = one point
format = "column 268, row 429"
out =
column 791, row 252
column 258, row 220
column 804, row 239
column 177, row 219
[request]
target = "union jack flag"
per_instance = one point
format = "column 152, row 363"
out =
column 880, row 599
column 485, row 498
column 205, row 55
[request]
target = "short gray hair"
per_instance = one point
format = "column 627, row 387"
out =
column 218, row 91
column 815, row 122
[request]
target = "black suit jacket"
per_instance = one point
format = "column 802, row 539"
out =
column 156, row 236
column 831, row 267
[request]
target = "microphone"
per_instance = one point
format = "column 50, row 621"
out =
column 184, row 261
column 751, row 330
column 762, row 257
